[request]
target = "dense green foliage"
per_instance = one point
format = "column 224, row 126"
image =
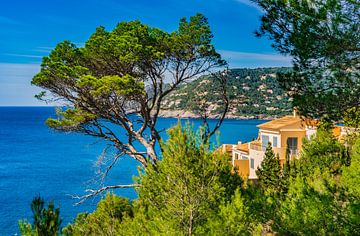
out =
column 104, row 221
column 269, row 173
column 330, row 154
column 234, row 218
column 317, row 200
column 192, row 191
column 351, row 173
column 47, row 221
column 252, row 93
column 121, row 74
column 191, row 182
column 323, row 39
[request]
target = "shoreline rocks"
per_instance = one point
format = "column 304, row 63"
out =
column 191, row 115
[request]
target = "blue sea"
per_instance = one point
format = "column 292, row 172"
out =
column 37, row 160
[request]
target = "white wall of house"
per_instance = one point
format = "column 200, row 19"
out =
column 271, row 135
column 255, row 158
column 347, row 130
column 233, row 155
column 238, row 155
column 310, row 131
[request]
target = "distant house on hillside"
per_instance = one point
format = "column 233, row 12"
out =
column 288, row 131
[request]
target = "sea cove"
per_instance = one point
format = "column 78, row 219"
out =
column 37, row 160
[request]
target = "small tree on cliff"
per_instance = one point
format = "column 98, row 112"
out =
column 114, row 86
column 47, row 221
column 186, row 189
column 269, row 173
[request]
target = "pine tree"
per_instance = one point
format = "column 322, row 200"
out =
column 47, row 221
column 323, row 39
column 289, row 172
column 324, row 151
column 105, row 220
column 269, row 173
column 188, row 186
column 234, row 218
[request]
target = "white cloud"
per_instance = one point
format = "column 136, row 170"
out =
column 250, row 4
column 46, row 50
column 250, row 55
column 249, row 59
column 43, row 49
column 8, row 21
column 23, row 55
column 17, row 70
column 79, row 44
column 15, row 78
column 15, row 84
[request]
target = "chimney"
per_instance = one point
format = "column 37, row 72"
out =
column 296, row 112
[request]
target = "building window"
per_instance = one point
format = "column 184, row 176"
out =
column 292, row 145
column 252, row 163
column 275, row 141
column 264, row 141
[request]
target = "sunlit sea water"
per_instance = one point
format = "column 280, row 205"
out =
column 36, row 160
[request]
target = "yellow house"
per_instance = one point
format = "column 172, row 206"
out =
column 286, row 132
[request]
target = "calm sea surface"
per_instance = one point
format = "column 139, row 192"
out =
column 36, row 160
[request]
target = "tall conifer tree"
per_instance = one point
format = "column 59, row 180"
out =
column 269, row 173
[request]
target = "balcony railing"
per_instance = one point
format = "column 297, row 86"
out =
column 293, row 152
column 256, row 146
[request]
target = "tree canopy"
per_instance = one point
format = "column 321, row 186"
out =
column 112, row 88
column 192, row 191
column 116, row 84
column 323, row 39
column 47, row 221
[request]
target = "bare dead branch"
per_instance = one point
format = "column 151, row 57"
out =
column 94, row 192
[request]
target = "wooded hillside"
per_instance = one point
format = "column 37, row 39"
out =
column 254, row 93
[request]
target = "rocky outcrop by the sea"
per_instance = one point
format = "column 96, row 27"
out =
column 189, row 114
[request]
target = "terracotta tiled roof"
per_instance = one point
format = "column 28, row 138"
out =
column 337, row 131
column 256, row 142
column 311, row 122
column 244, row 147
column 225, row 148
column 256, row 145
column 228, row 147
column 279, row 123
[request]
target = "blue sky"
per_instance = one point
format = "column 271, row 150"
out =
column 30, row 29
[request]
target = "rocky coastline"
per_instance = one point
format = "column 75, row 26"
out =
column 183, row 114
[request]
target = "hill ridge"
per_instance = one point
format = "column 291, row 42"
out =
column 254, row 94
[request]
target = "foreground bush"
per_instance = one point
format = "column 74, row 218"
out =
column 190, row 191
column 47, row 221
column 193, row 192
